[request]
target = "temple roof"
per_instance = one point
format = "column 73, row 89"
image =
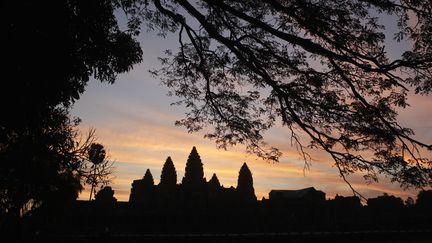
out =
column 292, row 194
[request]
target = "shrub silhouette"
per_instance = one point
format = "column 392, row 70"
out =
column 105, row 195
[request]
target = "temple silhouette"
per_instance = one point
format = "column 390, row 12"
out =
column 197, row 206
column 194, row 191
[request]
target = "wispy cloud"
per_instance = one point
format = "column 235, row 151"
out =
column 135, row 122
column 138, row 143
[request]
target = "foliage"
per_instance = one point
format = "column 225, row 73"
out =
column 96, row 153
column 105, row 195
column 52, row 50
column 385, row 203
column 424, row 200
column 41, row 164
column 319, row 67
column 409, row 202
column 98, row 168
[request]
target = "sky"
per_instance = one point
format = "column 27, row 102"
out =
column 134, row 120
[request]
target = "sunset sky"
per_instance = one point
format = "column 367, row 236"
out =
column 134, row 120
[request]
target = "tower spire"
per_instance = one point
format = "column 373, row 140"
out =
column 245, row 184
column 194, row 172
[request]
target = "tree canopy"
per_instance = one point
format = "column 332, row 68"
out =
column 98, row 167
column 424, row 200
column 54, row 48
column 51, row 50
column 40, row 164
column 320, row 68
column 105, row 195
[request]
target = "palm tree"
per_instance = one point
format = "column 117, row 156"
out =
column 100, row 168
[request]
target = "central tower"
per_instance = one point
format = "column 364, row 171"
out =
column 194, row 172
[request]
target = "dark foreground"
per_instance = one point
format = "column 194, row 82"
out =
column 353, row 236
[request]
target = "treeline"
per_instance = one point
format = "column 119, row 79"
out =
column 202, row 215
column 199, row 206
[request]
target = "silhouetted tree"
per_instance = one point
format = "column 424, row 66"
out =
column 347, row 105
column 344, row 211
column 386, row 211
column 423, row 209
column 41, row 164
column 194, row 172
column 321, row 67
column 245, row 184
column 100, row 169
column 105, row 195
column 52, row 50
column 424, row 200
column 72, row 41
column 409, row 202
column 385, row 203
column 169, row 175
column 346, row 203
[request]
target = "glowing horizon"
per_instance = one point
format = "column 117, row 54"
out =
column 138, row 150
column 135, row 122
